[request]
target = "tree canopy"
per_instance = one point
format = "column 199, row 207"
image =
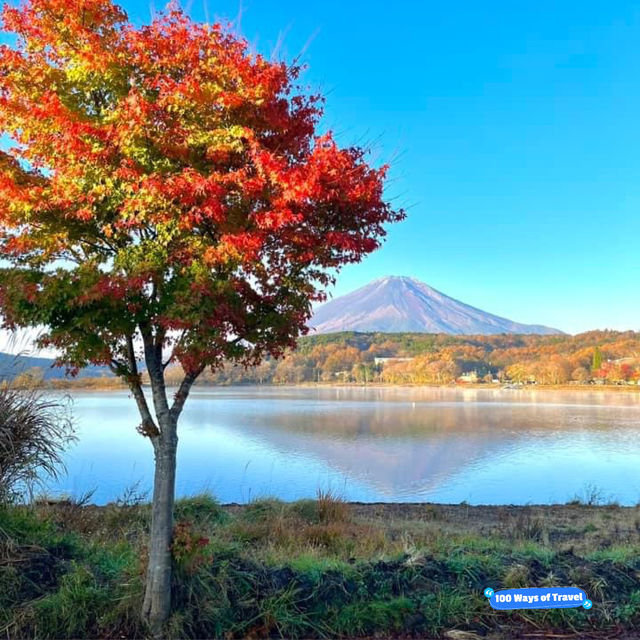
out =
column 165, row 182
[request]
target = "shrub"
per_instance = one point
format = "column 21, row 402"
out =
column 34, row 432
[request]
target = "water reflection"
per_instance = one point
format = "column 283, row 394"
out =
column 448, row 445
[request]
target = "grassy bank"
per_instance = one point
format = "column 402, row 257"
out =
column 319, row 568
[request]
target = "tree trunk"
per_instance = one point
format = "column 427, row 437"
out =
column 157, row 598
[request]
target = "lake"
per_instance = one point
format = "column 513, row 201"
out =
column 483, row 446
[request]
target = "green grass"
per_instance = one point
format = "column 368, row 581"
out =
column 315, row 568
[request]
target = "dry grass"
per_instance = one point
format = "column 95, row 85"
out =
column 34, row 432
column 332, row 508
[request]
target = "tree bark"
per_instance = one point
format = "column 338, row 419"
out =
column 157, row 600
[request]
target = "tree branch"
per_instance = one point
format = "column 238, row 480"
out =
column 153, row 361
column 129, row 372
column 183, row 392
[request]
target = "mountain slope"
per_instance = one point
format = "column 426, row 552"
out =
column 13, row 365
column 400, row 304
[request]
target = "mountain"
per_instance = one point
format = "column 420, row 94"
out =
column 399, row 304
column 13, row 365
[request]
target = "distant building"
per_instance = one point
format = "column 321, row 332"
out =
column 470, row 376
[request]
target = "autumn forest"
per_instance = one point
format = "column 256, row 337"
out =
column 600, row 357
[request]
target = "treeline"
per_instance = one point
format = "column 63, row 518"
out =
column 604, row 357
column 415, row 358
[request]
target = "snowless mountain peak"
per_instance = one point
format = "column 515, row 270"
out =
column 395, row 304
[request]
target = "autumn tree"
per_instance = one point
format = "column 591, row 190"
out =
column 555, row 370
column 519, row 372
column 580, row 374
column 167, row 199
column 341, row 359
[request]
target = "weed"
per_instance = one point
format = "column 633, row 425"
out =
column 202, row 509
column 591, row 495
column 132, row 496
column 375, row 616
column 525, row 527
column 331, row 508
column 516, row 575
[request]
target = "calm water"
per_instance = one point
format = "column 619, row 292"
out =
column 398, row 444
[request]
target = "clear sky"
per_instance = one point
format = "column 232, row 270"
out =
column 513, row 130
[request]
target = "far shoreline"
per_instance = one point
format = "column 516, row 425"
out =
column 99, row 384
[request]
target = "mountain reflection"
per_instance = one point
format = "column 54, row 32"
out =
column 440, row 444
column 397, row 445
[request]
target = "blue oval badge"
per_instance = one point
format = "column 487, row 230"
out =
column 538, row 598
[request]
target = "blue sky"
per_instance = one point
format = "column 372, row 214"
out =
column 513, row 130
